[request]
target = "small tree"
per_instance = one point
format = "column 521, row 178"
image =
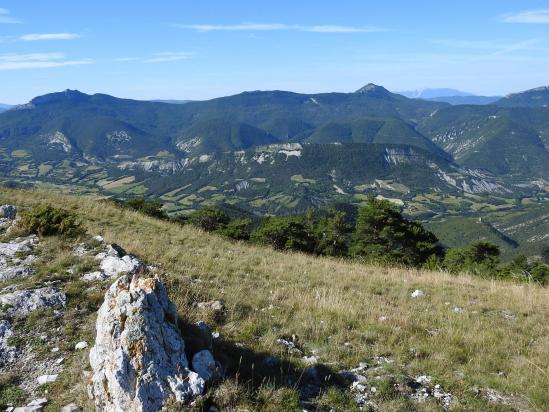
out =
column 284, row 233
column 456, row 260
column 332, row 234
column 383, row 234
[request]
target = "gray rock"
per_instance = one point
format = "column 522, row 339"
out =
column 23, row 302
column 213, row 305
column 8, row 354
column 206, row 366
column 139, row 360
column 11, row 266
column 8, row 212
column 19, row 245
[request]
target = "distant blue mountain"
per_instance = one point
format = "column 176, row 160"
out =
column 433, row 93
column 4, row 107
column 172, row 101
column 452, row 96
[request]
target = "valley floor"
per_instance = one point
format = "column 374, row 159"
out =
column 485, row 343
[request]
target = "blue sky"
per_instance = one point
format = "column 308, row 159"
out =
column 181, row 49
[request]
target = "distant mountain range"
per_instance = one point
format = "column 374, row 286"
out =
column 452, row 96
column 4, row 107
column 171, row 101
column 433, row 93
column 278, row 151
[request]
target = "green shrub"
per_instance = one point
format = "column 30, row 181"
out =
column 521, row 269
column 480, row 258
column 10, row 393
column 237, row 229
column 148, row 207
column 49, row 221
column 209, row 218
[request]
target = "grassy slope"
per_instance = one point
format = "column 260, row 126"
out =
column 327, row 303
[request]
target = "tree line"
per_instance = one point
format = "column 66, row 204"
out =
column 379, row 234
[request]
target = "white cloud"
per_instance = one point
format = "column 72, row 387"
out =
column 49, row 36
column 5, row 17
column 279, row 27
column 169, row 57
column 540, row 16
column 37, row 61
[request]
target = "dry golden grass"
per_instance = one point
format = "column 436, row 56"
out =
column 344, row 311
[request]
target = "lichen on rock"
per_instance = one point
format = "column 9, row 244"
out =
column 139, row 360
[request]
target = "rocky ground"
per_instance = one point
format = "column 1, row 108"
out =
column 94, row 319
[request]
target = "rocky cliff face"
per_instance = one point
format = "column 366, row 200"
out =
column 139, row 359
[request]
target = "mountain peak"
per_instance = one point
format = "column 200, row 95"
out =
column 72, row 95
column 373, row 90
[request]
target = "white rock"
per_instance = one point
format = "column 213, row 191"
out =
column 81, row 345
column 139, row 360
column 98, row 238
column 114, row 262
column 205, row 365
column 95, row 276
column 417, row 293
column 310, row 360
column 38, row 402
column 23, row 302
column 72, row 407
column 423, row 379
column 18, row 245
column 43, row 379
column 113, row 266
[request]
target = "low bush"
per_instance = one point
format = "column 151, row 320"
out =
column 49, row 221
column 149, row 207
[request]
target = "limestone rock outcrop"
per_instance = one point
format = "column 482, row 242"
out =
column 139, row 360
column 23, row 302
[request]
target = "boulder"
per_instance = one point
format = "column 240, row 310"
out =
column 138, row 361
column 8, row 212
column 23, row 302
